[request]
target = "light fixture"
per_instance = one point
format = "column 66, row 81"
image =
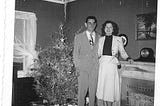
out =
column 60, row 1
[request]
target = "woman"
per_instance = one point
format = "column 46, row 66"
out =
column 110, row 45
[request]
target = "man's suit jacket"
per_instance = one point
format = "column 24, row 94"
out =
column 85, row 56
column 117, row 47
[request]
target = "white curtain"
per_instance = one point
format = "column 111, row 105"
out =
column 25, row 39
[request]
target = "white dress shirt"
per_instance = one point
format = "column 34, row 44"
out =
column 89, row 35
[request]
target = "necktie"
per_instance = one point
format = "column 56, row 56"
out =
column 91, row 40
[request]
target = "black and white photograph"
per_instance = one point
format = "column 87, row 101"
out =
column 79, row 53
column 146, row 26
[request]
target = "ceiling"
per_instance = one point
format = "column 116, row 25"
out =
column 60, row 1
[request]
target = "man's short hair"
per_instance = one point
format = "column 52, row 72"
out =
column 91, row 17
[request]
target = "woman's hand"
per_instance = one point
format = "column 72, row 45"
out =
column 130, row 60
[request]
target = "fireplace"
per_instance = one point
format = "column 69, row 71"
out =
column 137, row 84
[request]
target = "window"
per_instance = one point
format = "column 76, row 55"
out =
column 25, row 39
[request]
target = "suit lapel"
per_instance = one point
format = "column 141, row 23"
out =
column 101, row 43
column 85, row 39
column 114, row 43
column 96, row 38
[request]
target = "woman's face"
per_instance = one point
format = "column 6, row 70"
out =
column 108, row 29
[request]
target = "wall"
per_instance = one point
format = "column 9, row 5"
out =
column 124, row 15
column 49, row 16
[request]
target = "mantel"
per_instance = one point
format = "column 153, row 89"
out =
column 138, row 70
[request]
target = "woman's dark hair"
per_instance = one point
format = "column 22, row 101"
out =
column 115, row 28
column 91, row 17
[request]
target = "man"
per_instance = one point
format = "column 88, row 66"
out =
column 86, row 61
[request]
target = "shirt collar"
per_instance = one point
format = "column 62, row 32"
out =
column 93, row 33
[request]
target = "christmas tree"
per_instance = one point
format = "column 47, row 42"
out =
column 55, row 76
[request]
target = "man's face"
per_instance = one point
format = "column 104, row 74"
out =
column 90, row 25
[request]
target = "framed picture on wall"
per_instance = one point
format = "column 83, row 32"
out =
column 146, row 26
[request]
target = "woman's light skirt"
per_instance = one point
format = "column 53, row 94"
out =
column 108, row 88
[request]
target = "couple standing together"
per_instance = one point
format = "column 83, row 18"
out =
column 95, row 59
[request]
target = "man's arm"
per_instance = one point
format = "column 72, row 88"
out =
column 76, row 51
